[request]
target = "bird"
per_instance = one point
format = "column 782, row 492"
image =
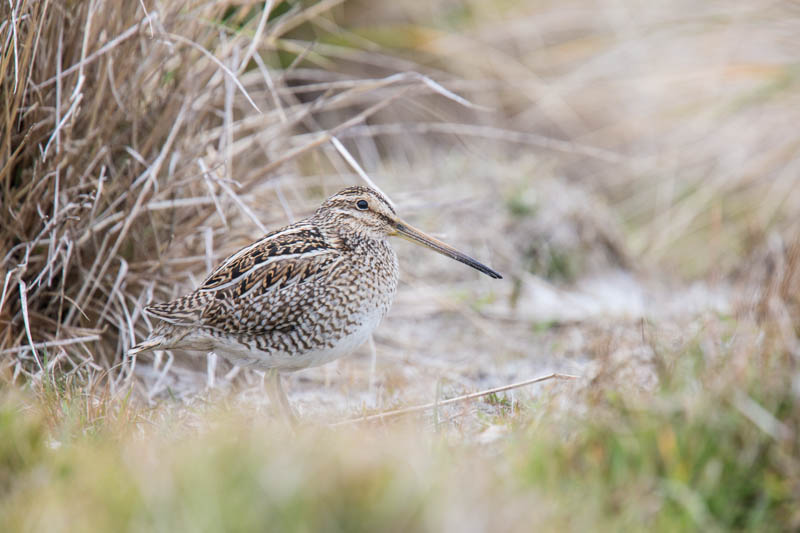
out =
column 300, row 296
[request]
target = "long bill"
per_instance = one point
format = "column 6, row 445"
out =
column 416, row 236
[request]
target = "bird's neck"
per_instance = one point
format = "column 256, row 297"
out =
column 349, row 238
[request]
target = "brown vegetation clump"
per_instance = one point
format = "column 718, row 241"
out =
column 133, row 143
column 103, row 110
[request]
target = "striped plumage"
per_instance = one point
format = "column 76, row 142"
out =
column 300, row 296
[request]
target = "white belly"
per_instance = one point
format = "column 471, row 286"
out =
column 245, row 356
column 345, row 346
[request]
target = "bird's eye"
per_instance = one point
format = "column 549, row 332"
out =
column 362, row 204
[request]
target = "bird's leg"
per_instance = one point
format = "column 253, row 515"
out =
column 278, row 399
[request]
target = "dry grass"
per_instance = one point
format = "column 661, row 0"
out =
column 137, row 144
column 631, row 169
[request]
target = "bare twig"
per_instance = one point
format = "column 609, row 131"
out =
column 23, row 294
column 303, row 16
column 466, row 397
column 14, row 34
column 50, row 344
column 354, row 164
column 262, row 23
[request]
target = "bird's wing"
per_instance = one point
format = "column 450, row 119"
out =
column 297, row 242
column 289, row 256
column 274, row 298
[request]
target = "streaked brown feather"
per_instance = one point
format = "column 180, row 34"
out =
column 293, row 254
column 248, row 307
column 293, row 241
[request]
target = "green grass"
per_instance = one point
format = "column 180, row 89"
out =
column 691, row 455
column 693, row 465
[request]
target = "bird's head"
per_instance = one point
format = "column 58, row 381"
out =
column 368, row 212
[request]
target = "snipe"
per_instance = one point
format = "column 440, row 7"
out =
column 300, row 296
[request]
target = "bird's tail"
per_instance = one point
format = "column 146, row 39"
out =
column 151, row 343
column 165, row 336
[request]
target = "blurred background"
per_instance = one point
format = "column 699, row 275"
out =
column 632, row 168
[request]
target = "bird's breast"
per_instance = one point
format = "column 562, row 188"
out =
column 336, row 314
